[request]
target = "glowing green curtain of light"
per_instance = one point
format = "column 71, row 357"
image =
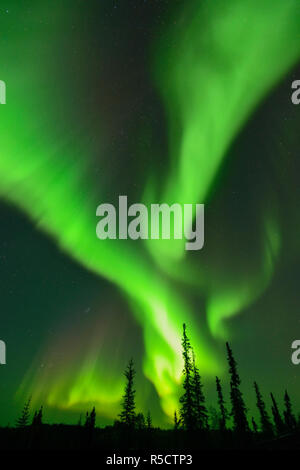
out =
column 213, row 73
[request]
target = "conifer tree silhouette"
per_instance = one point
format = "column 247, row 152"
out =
column 149, row 420
column 265, row 421
column 140, row 421
column 279, row 424
column 176, row 421
column 187, row 414
column 221, row 403
column 90, row 419
column 23, row 420
column 93, row 418
column 127, row 415
column 38, row 417
column 200, row 410
column 34, row 418
column 238, row 410
column 254, row 425
column 289, row 417
column 214, row 418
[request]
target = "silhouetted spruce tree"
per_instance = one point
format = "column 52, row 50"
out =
column 127, row 414
column 279, row 424
column 214, row 418
column 140, row 421
column 23, row 420
column 289, row 417
column 176, row 421
column 38, row 417
column 149, row 420
column 33, row 423
column 265, row 421
column 201, row 414
column 238, row 411
column 254, row 425
column 221, row 403
column 90, row 419
column 93, row 418
column 187, row 413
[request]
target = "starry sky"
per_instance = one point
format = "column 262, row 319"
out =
column 164, row 101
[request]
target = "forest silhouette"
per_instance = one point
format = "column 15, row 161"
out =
column 196, row 427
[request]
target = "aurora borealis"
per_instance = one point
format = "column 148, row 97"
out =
column 190, row 105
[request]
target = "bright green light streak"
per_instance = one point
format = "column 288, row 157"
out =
column 227, row 57
column 212, row 73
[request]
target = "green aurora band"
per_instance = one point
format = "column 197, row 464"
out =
column 225, row 61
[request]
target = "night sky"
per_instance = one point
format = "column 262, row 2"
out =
column 163, row 101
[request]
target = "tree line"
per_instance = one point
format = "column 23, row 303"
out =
column 193, row 414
